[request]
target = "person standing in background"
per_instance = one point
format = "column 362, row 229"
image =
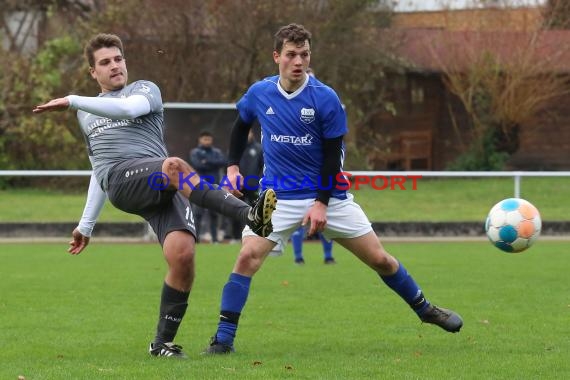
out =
column 208, row 161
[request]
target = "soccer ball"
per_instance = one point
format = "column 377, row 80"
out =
column 513, row 225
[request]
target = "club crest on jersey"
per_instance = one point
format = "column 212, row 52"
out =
column 307, row 115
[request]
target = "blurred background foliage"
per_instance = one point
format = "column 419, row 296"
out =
column 212, row 50
column 196, row 51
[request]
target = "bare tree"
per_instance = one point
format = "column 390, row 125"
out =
column 557, row 14
column 503, row 80
column 37, row 63
column 213, row 50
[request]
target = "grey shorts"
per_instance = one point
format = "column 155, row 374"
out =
column 165, row 210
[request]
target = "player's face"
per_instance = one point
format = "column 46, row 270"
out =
column 293, row 62
column 110, row 69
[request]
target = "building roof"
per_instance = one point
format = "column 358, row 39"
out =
column 435, row 50
column 519, row 19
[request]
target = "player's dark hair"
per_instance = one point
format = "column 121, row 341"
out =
column 291, row 33
column 100, row 41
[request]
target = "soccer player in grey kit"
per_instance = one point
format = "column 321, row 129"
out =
column 123, row 128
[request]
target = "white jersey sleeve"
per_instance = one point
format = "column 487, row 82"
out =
column 113, row 108
column 95, row 200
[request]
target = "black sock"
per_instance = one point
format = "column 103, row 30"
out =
column 173, row 304
column 221, row 201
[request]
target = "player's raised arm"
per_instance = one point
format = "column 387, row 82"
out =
column 113, row 108
column 59, row 104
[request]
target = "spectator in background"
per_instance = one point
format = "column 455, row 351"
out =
column 251, row 167
column 208, row 161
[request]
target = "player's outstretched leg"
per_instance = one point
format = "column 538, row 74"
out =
column 368, row 249
column 403, row 284
column 258, row 217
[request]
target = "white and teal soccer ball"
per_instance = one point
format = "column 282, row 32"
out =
column 513, row 225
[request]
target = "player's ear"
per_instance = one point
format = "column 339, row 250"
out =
column 92, row 73
column 276, row 57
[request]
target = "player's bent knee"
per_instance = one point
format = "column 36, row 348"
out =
column 179, row 249
column 184, row 258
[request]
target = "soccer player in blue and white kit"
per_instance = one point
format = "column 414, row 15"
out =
column 303, row 124
column 123, row 128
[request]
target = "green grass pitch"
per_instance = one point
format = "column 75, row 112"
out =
column 92, row 316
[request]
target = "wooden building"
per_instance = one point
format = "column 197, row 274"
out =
column 430, row 129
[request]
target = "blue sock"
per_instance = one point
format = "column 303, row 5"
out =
column 234, row 296
column 327, row 246
column 405, row 286
column 297, row 238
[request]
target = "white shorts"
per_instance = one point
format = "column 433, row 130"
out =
column 345, row 219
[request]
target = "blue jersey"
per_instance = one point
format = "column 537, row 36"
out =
column 293, row 127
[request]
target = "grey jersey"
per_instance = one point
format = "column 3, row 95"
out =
column 112, row 141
